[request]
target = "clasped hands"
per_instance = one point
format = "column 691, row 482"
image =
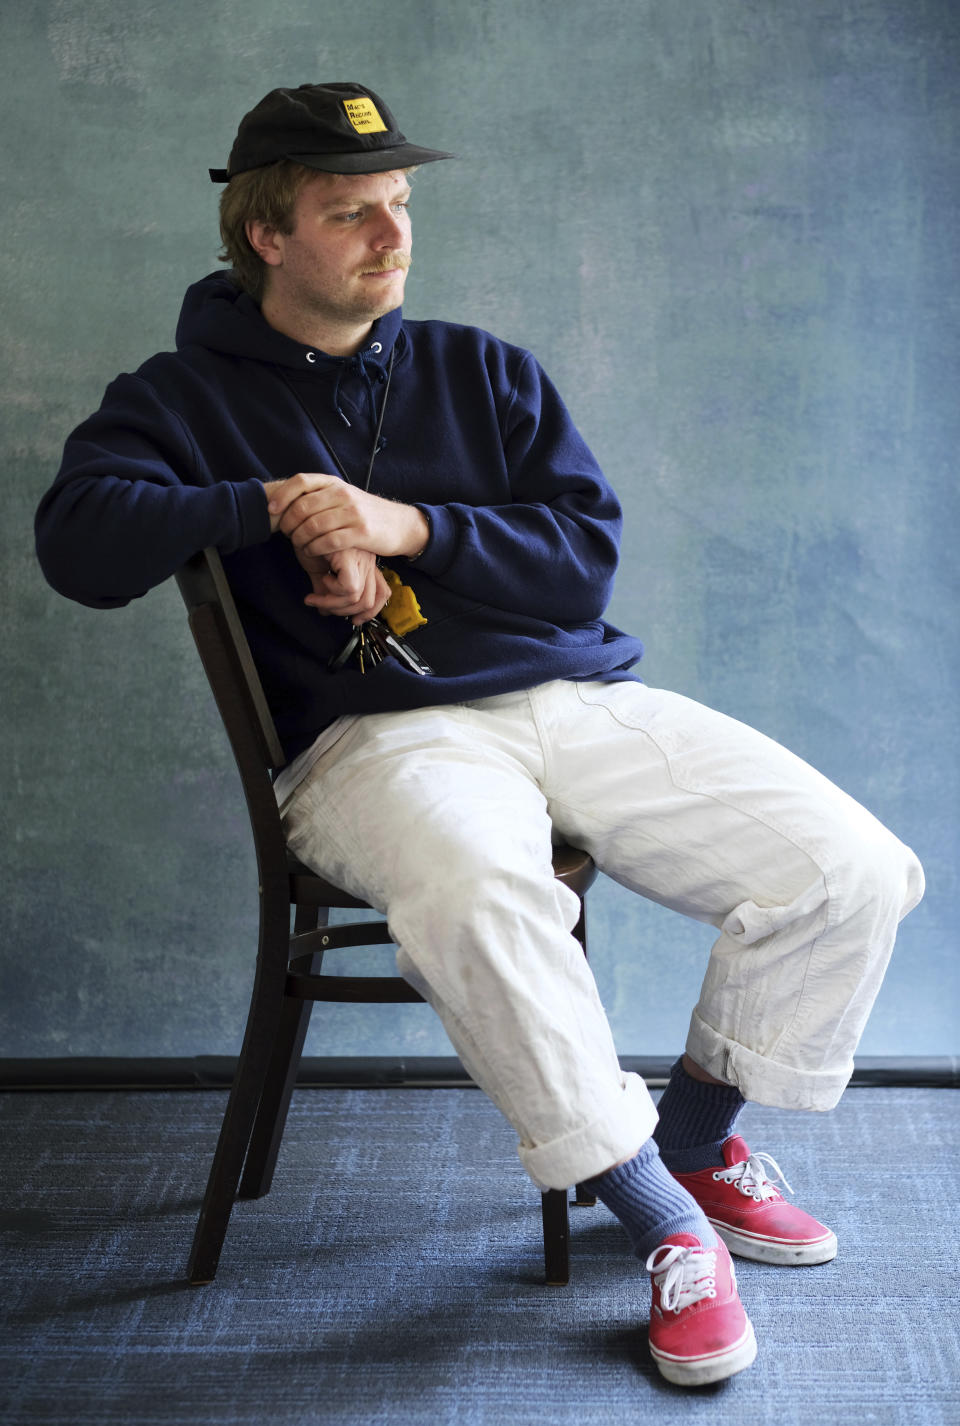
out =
column 338, row 532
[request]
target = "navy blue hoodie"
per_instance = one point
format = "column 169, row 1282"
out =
column 524, row 527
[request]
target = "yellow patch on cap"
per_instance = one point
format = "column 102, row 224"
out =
column 363, row 115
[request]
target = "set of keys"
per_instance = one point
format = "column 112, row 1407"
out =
column 370, row 643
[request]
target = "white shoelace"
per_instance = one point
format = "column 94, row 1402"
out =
column 751, row 1177
column 684, row 1275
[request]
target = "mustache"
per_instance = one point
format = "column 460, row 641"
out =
column 388, row 264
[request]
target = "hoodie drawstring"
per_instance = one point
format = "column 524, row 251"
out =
column 359, row 365
column 376, row 418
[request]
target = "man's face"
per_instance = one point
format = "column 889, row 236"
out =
column 346, row 260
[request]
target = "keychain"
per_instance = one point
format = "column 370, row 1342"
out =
column 370, row 643
column 401, row 611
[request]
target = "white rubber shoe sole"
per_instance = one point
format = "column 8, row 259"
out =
column 768, row 1250
column 701, row 1371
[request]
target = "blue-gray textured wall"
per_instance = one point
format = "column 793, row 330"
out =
column 729, row 230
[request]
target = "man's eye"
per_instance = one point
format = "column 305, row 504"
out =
column 347, row 217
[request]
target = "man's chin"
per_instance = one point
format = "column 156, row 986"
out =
column 389, row 302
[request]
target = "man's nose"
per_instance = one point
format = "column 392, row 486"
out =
column 391, row 231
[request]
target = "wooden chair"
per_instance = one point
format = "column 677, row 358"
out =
column 289, row 976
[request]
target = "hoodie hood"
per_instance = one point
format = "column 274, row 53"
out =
column 219, row 316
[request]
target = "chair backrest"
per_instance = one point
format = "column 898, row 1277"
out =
column 241, row 701
column 219, row 634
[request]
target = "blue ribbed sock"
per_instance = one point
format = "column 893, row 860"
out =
column 650, row 1203
column 696, row 1119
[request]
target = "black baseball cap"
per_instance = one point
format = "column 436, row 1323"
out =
column 336, row 128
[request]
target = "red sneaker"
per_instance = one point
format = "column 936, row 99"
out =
column 699, row 1332
column 750, row 1214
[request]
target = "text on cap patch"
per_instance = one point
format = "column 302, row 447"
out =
column 363, row 115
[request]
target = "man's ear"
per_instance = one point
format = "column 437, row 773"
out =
column 266, row 242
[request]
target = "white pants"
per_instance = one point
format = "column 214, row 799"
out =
column 443, row 819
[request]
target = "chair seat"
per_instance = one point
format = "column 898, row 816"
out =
column 572, row 866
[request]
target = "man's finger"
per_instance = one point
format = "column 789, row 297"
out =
column 282, row 494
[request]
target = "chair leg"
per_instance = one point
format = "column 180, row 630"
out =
column 281, row 1079
column 556, row 1237
column 275, row 1101
column 261, row 1032
column 583, row 1198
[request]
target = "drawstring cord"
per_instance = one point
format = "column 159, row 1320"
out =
column 375, row 448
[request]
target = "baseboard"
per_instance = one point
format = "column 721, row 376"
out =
column 385, row 1072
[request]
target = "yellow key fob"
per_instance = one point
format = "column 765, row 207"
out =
column 401, row 612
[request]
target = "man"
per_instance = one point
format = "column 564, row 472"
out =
column 337, row 456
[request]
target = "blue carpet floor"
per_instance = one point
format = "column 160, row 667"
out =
column 393, row 1277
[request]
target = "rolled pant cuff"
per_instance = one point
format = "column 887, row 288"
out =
column 586, row 1152
column 762, row 1080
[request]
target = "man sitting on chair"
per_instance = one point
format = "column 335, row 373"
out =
column 340, row 457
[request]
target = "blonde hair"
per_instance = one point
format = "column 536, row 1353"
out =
column 267, row 195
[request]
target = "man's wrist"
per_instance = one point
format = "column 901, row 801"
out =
column 419, row 537
column 269, row 488
column 423, row 532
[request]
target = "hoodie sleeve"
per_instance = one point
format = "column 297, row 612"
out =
column 551, row 552
column 133, row 501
